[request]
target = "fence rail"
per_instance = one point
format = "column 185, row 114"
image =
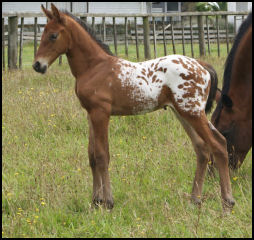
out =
column 156, row 27
column 177, row 14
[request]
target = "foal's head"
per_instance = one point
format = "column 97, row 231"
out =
column 55, row 40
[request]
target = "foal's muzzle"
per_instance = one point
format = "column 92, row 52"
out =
column 38, row 67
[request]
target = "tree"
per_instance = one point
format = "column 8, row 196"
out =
column 207, row 6
column 223, row 6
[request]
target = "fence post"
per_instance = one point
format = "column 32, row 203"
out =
column 183, row 35
column 35, row 35
column 172, row 35
column 226, row 23
column 218, row 35
column 104, row 29
column 12, row 42
column 115, row 35
column 164, row 37
column 93, row 24
column 146, row 38
column 126, row 36
column 201, row 36
column 191, row 33
column 3, row 44
column 207, row 33
column 136, row 37
column 154, row 38
column 21, row 43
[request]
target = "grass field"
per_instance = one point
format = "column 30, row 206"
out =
column 47, row 181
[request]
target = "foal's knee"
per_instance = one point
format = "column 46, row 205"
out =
column 218, row 136
column 100, row 161
column 201, row 151
column 91, row 159
column 221, row 155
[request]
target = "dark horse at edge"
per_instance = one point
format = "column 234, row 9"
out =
column 233, row 114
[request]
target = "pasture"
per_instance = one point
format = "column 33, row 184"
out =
column 47, row 181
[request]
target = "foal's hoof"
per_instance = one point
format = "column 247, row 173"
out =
column 228, row 204
column 97, row 202
column 196, row 200
column 109, row 204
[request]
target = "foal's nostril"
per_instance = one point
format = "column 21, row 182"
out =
column 40, row 67
column 36, row 66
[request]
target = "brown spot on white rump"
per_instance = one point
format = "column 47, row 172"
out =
column 143, row 79
column 175, row 61
column 150, row 73
column 154, row 78
column 160, row 69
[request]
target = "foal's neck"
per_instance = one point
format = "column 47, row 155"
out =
column 84, row 53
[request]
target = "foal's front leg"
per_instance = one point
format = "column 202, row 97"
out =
column 97, row 182
column 99, row 157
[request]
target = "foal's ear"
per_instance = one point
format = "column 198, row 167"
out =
column 47, row 12
column 55, row 12
column 226, row 101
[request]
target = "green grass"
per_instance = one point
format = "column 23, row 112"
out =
column 47, row 181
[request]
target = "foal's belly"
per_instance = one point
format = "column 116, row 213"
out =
column 127, row 106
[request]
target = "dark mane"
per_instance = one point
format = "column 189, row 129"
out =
column 230, row 59
column 90, row 31
column 229, row 64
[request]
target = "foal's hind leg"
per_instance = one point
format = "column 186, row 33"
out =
column 218, row 147
column 202, row 153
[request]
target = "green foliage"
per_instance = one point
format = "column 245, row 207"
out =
column 47, row 181
column 207, row 6
column 223, row 6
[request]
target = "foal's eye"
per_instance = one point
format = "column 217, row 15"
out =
column 53, row 36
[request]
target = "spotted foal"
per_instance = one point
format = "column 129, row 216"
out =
column 107, row 85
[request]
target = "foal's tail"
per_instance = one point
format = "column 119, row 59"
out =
column 213, row 88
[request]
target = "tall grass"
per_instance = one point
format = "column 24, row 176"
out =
column 47, row 182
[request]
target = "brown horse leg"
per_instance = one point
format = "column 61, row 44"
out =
column 99, row 123
column 202, row 159
column 97, row 182
column 218, row 147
